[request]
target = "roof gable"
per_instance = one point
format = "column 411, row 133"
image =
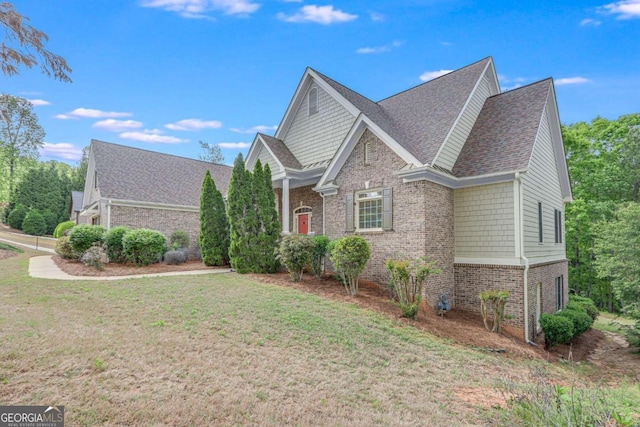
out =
column 503, row 137
column 133, row 174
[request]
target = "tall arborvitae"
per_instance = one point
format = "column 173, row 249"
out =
column 214, row 225
column 269, row 228
column 239, row 206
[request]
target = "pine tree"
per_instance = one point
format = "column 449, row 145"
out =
column 269, row 226
column 239, row 206
column 214, row 226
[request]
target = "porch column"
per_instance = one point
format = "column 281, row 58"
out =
column 285, row 206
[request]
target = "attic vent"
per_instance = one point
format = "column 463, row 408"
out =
column 313, row 101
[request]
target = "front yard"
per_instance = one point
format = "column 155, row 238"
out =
column 225, row 349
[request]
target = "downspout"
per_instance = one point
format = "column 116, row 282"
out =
column 524, row 259
column 108, row 214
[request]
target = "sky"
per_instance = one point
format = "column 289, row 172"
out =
column 162, row 75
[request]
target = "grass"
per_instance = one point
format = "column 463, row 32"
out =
column 224, row 350
column 9, row 247
column 612, row 323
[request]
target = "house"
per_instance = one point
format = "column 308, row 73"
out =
column 145, row 189
column 75, row 206
column 452, row 169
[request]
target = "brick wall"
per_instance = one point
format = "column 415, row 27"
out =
column 545, row 275
column 422, row 216
column 163, row 220
column 305, row 196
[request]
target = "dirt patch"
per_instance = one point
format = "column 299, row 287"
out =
column 4, row 254
column 615, row 354
column 76, row 268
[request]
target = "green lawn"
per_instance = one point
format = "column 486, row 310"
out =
column 225, row 350
column 612, row 323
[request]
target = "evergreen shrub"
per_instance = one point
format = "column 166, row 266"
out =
column 179, row 239
column 113, row 244
column 34, row 223
column 586, row 303
column 175, row 257
column 64, row 248
column 83, row 236
column 320, row 249
column 16, row 217
column 143, row 246
column 580, row 319
column 62, row 227
column 557, row 329
column 295, row 253
column 349, row 256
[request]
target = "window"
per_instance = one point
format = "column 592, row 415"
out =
column 313, row 101
column 369, row 207
column 95, row 180
column 558, row 222
column 559, row 293
column 367, row 153
column 540, row 235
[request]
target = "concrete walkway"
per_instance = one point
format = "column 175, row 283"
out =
column 24, row 245
column 43, row 267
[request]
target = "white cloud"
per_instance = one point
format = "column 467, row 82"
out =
column 38, row 102
column 624, row 9
column 324, row 15
column 430, row 75
column 198, row 9
column 379, row 49
column 113, row 125
column 590, row 22
column 151, row 136
column 571, row 81
column 63, row 150
column 234, row 145
column 504, row 79
column 255, row 129
column 89, row 113
column 194, row 125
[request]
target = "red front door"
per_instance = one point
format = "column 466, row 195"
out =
column 303, row 224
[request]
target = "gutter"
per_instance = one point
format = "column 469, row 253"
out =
column 518, row 178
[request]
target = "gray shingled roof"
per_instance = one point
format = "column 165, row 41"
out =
column 419, row 118
column 281, row 151
column 424, row 114
column 127, row 173
column 76, row 201
column 503, row 136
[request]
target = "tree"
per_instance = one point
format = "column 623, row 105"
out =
column 268, row 224
column 243, row 219
column 20, row 134
column 211, row 153
column 214, row 225
column 28, row 47
column 80, row 171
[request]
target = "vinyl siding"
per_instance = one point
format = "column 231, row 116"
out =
column 316, row 138
column 266, row 158
column 91, row 193
column 541, row 184
column 456, row 139
column 484, row 223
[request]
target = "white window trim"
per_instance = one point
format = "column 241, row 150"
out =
column 357, row 210
column 297, row 213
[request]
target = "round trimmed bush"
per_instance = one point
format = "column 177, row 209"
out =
column 175, row 257
column 580, row 319
column 295, row 253
column 557, row 329
column 16, row 217
column 586, row 303
column 34, row 223
column 64, row 249
column 144, row 246
column 83, row 236
column 62, row 227
column 113, row 244
column 349, row 255
column 51, row 220
column 179, row 239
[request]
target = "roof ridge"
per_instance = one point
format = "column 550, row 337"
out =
column 437, row 78
column 522, row 87
column 338, row 83
column 157, row 152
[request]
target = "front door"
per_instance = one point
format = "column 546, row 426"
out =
column 303, row 223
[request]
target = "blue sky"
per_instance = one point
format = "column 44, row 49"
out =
column 164, row 74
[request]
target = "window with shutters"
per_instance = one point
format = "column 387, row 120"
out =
column 313, row 101
column 559, row 293
column 558, row 221
column 372, row 210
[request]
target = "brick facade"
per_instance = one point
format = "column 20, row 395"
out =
column 165, row 221
column 422, row 215
column 305, row 196
column 545, row 275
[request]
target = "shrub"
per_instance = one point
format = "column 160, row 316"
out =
column 320, row 248
column 143, row 246
column 497, row 300
column 557, row 329
column 113, row 244
column 295, row 253
column 179, row 239
column 586, row 303
column 64, row 248
column 34, row 223
column 16, row 217
column 94, row 257
column 62, row 227
column 408, row 278
column 175, row 257
column 83, row 236
column 580, row 319
column 349, row 256
column 51, row 220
